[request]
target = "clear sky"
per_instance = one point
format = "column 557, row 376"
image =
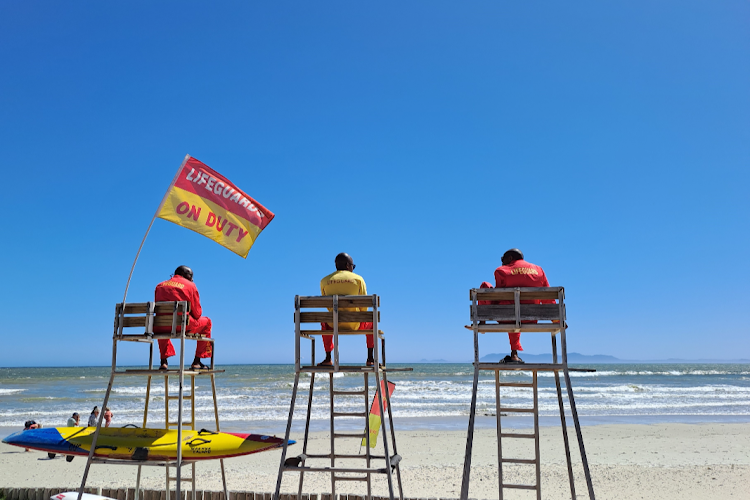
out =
column 610, row 141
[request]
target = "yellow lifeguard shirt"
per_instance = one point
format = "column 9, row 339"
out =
column 344, row 283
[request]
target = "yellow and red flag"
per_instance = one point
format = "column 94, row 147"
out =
column 206, row 202
column 374, row 417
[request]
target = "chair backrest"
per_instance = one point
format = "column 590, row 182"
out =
column 147, row 315
column 532, row 309
column 334, row 305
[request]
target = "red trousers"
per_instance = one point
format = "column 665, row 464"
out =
column 513, row 337
column 328, row 339
column 202, row 350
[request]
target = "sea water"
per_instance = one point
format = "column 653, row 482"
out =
column 433, row 396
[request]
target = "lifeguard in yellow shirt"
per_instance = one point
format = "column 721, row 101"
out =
column 345, row 282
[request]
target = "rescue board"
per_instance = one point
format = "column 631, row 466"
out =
column 73, row 495
column 133, row 443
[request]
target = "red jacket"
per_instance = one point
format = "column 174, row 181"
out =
column 178, row 288
column 518, row 274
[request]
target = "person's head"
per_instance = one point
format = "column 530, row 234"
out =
column 95, row 411
column 28, row 424
column 344, row 262
column 76, row 417
column 511, row 256
column 185, row 272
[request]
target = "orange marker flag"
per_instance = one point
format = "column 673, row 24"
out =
column 206, row 202
column 374, row 417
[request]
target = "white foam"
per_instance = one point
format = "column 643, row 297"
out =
column 3, row 392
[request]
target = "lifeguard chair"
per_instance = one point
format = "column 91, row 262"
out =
column 146, row 316
column 520, row 310
column 329, row 309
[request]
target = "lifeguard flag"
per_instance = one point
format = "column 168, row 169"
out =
column 206, row 202
column 374, row 417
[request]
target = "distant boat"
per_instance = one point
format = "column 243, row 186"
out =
column 132, row 443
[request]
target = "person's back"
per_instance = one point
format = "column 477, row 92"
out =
column 345, row 282
column 516, row 272
column 180, row 287
column 520, row 273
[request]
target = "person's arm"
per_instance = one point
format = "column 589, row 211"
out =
column 499, row 279
column 195, row 304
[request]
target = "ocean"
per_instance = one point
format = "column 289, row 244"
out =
column 434, row 396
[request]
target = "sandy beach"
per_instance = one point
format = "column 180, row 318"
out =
column 660, row 461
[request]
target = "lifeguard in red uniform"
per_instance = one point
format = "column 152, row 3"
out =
column 516, row 272
column 181, row 287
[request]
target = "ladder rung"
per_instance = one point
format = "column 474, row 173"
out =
column 349, row 478
column 347, row 470
column 181, row 479
column 339, row 455
column 515, row 384
column 517, row 410
column 174, row 424
column 349, row 414
column 509, row 435
column 190, row 397
column 349, row 393
column 518, row 460
column 520, row 486
column 348, row 435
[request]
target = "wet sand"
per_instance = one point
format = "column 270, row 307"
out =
column 664, row 461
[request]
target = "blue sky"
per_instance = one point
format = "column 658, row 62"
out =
column 607, row 140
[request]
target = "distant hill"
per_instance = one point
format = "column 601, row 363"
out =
column 573, row 357
column 432, row 361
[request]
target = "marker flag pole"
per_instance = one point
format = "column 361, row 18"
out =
column 163, row 200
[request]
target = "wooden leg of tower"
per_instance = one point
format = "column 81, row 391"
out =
column 218, row 429
column 192, row 483
column 166, row 425
column 166, row 469
column 333, row 449
column 537, row 456
column 307, row 432
column 137, row 492
column 574, row 413
column 499, row 434
column 95, row 438
column 286, row 437
column 380, row 398
column 393, row 431
column 571, row 480
column 368, row 459
column 472, row 415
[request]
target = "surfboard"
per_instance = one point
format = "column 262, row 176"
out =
column 132, row 443
column 73, row 495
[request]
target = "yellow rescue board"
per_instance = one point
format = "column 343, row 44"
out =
column 125, row 443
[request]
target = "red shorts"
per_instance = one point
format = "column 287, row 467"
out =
column 328, row 339
column 204, row 349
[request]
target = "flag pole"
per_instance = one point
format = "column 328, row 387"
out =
column 127, row 285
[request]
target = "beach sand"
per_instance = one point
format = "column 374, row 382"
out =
column 661, row 461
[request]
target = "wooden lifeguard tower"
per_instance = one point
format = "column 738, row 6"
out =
column 523, row 310
column 146, row 316
column 330, row 309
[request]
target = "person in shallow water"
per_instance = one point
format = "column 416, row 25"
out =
column 516, row 272
column 345, row 282
column 93, row 417
column 178, row 288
